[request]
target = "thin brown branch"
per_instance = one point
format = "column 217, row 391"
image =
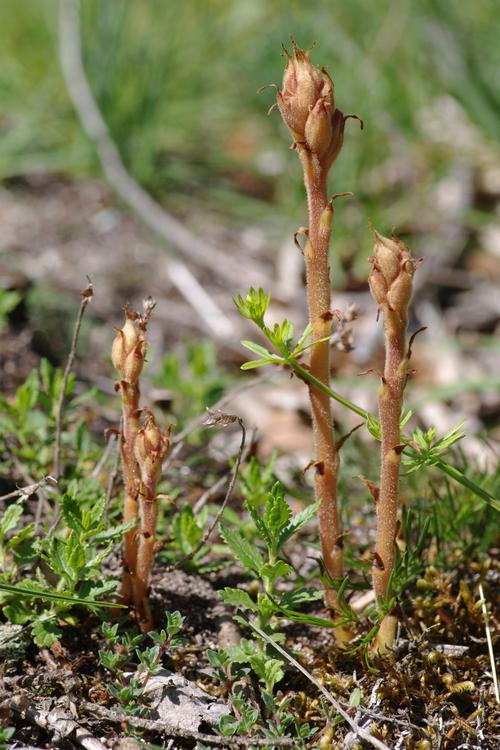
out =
column 86, row 295
column 163, row 727
column 30, row 489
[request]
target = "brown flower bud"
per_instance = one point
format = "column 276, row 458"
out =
column 378, row 286
column 303, row 85
column 318, row 129
column 129, row 348
column 134, row 361
column 337, row 139
column 391, row 275
column 150, row 448
column 387, row 253
column 399, row 294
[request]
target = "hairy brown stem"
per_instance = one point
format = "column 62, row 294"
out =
column 130, row 426
column 390, row 405
column 391, row 284
column 151, row 447
column 319, row 298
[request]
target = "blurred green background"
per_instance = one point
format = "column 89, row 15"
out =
column 177, row 81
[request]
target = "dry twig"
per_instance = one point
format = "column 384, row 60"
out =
column 162, row 727
column 86, row 295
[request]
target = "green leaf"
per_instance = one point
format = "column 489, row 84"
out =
column 247, row 554
column 298, row 521
column 71, row 513
column 257, row 349
column 275, row 570
column 73, row 555
column 355, row 697
column 26, row 591
column 97, row 509
column 259, row 523
column 273, row 673
column 238, row 598
column 113, row 533
column 252, row 364
column 186, row 531
column 10, row 518
column 298, row 597
column 277, row 512
column 45, row 633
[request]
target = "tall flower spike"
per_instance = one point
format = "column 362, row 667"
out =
column 390, row 282
column 307, row 106
column 128, row 354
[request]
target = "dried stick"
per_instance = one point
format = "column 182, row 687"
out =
column 163, row 727
column 86, row 295
column 58, row 722
column 390, row 282
column 307, row 106
column 30, row 489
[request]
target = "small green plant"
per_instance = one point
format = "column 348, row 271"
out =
column 27, row 426
column 65, row 567
column 127, row 650
column 6, row 733
column 275, row 525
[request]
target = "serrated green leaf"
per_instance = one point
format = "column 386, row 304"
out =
column 259, row 523
column 74, row 554
column 247, row 554
column 300, row 596
column 113, row 533
column 298, row 521
column 238, row 598
column 97, row 510
column 277, row 512
column 71, row 513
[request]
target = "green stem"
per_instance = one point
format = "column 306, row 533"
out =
column 305, row 375
column 446, row 468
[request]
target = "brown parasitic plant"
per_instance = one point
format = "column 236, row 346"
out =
column 307, row 106
column 390, row 282
column 143, row 449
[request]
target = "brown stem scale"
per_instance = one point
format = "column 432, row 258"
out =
column 307, row 106
column 391, row 285
column 316, row 255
